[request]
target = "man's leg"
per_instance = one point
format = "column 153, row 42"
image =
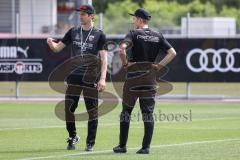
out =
column 125, row 119
column 147, row 108
column 129, row 100
column 91, row 102
column 71, row 103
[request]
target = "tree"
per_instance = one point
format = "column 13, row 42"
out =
column 196, row 8
column 116, row 18
column 231, row 12
column 102, row 5
column 165, row 13
column 139, row 2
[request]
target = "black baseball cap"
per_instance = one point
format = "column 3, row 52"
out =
column 86, row 8
column 141, row 13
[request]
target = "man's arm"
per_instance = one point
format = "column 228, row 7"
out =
column 102, row 81
column 124, row 45
column 55, row 46
column 123, row 55
column 171, row 54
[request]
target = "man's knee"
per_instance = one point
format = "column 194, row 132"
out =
column 70, row 104
column 92, row 113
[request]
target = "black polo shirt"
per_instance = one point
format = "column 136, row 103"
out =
column 94, row 41
column 146, row 45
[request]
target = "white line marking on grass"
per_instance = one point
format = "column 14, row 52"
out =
column 210, row 119
column 110, row 151
column 60, row 126
column 231, row 100
column 42, row 127
column 116, row 124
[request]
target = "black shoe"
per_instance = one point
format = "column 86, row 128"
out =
column 72, row 141
column 143, row 151
column 119, row 149
column 89, row 148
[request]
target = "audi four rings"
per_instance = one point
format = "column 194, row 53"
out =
column 216, row 60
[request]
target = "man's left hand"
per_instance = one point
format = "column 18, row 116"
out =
column 157, row 67
column 101, row 85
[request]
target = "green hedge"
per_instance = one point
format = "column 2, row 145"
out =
column 164, row 13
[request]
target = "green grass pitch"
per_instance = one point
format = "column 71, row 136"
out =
column 32, row 131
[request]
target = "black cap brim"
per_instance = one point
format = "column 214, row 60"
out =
column 79, row 10
column 131, row 14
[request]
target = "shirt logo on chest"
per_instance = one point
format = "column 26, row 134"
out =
column 148, row 38
column 77, row 37
column 91, row 38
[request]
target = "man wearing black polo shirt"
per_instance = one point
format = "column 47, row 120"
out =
column 146, row 45
column 87, row 42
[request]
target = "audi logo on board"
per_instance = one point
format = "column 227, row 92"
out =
column 217, row 60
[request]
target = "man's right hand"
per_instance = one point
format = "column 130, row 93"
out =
column 54, row 45
column 50, row 41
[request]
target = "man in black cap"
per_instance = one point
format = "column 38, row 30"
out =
column 146, row 45
column 87, row 41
